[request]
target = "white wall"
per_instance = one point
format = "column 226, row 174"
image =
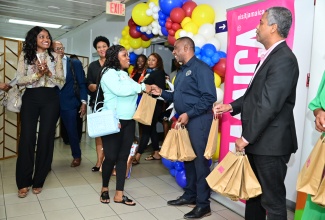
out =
column 80, row 42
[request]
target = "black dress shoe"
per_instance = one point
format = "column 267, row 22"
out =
column 198, row 213
column 180, row 201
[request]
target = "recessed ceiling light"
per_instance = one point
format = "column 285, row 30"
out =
column 53, row 7
column 34, row 23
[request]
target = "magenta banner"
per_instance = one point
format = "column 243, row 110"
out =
column 243, row 54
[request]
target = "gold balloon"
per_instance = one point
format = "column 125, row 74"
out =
column 185, row 21
column 145, row 44
column 191, row 27
column 217, row 80
column 203, row 14
column 140, row 16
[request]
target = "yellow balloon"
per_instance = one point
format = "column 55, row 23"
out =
column 173, row 80
column 185, row 21
column 145, row 44
column 127, row 46
column 215, row 156
column 203, row 14
column 177, row 33
column 130, row 69
column 139, row 15
column 191, row 27
column 217, row 80
column 135, row 43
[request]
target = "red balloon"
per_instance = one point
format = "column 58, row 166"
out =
column 134, row 33
column 171, row 32
column 176, row 26
column 168, row 19
column 168, row 25
column 188, row 7
column 131, row 22
column 144, row 37
column 220, row 67
column 171, row 39
column 177, row 15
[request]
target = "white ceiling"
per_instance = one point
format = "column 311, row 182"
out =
column 68, row 13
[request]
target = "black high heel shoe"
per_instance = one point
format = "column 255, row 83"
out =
column 95, row 169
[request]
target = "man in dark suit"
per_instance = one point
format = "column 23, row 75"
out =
column 268, row 127
column 70, row 104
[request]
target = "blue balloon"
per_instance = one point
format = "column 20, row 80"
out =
column 172, row 172
column 162, row 22
column 199, row 56
column 208, row 50
column 166, row 6
column 133, row 58
column 164, row 31
column 222, row 54
column 161, row 15
column 215, row 58
column 149, row 35
column 138, row 28
column 179, row 166
column 181, row 178
column 167, row 163
column 205, row 59
column 197, row 50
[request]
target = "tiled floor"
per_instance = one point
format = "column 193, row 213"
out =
column 73, row 193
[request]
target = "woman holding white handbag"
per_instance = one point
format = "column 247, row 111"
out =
column 120, row 94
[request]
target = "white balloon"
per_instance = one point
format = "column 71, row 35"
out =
column 215, row 42
column 220, row 95
column 207, row 30
column 149, row 12
column 144, row 29
column 130, row 50
column 182, row 33
column 155, row 9
column 138, row 51
column 148, row 32
column 160, row 33
column 154, row 24
column 190, row 34
column 155, row 31
column 199, row 40
column 155, row 16
column 151, row 5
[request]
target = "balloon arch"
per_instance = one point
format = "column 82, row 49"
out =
column 174, row 19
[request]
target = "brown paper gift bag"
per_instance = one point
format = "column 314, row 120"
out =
column 233, row 187
column 169, row 149
column 250, row 185
column 145, row 109
column 185, row 150
column 310, row 177
column 219, row 178
column 211, row 147
column 319, row 197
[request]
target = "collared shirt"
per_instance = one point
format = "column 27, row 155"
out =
column 64, row 63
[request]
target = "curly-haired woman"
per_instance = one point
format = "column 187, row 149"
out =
column 120, row 94
column 40, row 71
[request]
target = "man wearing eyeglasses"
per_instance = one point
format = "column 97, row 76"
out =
column 73, row 96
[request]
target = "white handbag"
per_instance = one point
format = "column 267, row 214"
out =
column 12, row 99
column 102, row 121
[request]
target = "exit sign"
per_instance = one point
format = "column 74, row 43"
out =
column 115, row 8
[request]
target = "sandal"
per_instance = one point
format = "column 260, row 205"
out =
column 37, row 190
column 126, row 201
column 95, row 169
column 151, row 157
column 135, row 162
column 22, row 193
column 104, row 197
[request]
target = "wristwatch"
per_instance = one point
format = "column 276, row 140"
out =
column 84, row 102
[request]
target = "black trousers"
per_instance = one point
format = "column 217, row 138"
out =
column 150, row 131
column 64, row 132
column 270, row 172
column 117, row 150
column 37, row 104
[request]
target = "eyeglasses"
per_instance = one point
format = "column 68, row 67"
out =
column 59, row 48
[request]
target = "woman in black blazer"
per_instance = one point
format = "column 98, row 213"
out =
column 155, row 75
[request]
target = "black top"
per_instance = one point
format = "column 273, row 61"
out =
column 94, row 70
column 157, row 77
column 136, row 76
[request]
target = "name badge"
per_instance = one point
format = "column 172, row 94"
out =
column 189, row 72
